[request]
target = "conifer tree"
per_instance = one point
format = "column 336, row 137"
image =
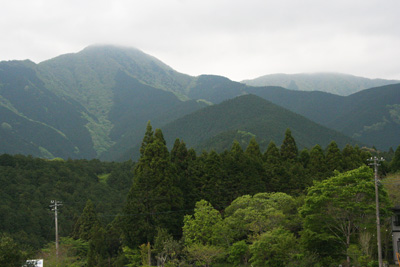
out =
column 86, row 222
column 395, row 163
column 236, row 149
column 304, row 157
column 147, row 139
column 181, row 159
column 154, row 199
column 244, row 174
column 317, row 164
column 274, row 171
column 253, row 149
column 333, row 158
column 351, row 158
column 289, row 149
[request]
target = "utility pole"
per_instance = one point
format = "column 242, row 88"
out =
column 54, row 205
column 376, row 161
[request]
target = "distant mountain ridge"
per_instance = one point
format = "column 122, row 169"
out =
column 96, row 103
column 335, row 83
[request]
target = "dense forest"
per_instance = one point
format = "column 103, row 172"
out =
column 240, row 207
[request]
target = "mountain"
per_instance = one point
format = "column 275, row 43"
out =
column 84, row 105
column 92, row 77
column 96, row 103
column 370, row 116
column 244, row 117
column 335, row 83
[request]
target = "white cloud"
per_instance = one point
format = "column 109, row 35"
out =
column 236, row 38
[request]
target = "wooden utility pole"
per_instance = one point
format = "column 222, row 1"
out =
column 54, row 205
column 376, row 161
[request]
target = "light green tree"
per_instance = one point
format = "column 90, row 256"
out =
column 249, row 216
column 274, row 248
column 205, row 226
column 336, row 208
column 10, row 253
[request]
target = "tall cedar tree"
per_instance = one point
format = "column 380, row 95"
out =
column 86, row 222
column 334, row 158
column 181, row 158
column 317, row 163
column 395, row 163
column 244, row 173
column 289, row 149
column 274, row 171
column 154, row 199
column 351, row 158
column 147, row 139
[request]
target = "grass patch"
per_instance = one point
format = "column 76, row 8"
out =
column 103, row 178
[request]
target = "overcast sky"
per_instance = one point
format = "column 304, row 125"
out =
column 239, row 39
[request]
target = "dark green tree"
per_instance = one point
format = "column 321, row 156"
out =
column 147, row 139
column 181, row 159
column 216, row 182
column 98, row 252
column 317, row 165
column 289, row 149
column 154, row 199
column 253, row 149
column 86, row 222
column 275, row 174
column 244, row 173
column 304, row 157
column 395, row 163
column 351, row 158
column 333, row 158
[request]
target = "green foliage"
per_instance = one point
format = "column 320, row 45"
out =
column 289, row 149
column 250, row 216
column 28, row 185
column 395, row 163
column 205, row 227
column 71, row 253
column 10, row 253
column 239, row 253
column 87, row 222
column 336, row 208
column 334, row 158
column 273, row 248
column 155, row 198
column 204, row 255
column 133, row 256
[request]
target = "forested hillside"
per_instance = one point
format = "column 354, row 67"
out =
column 187, row 208
column 370, row 116
column 246, row 117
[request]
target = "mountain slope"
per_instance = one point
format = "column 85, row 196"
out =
column 134, row 105
column 335, row 83
column 370, row 116
column 252, row 116
column 89, row 77
column 36, row 116
column 215, row 89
